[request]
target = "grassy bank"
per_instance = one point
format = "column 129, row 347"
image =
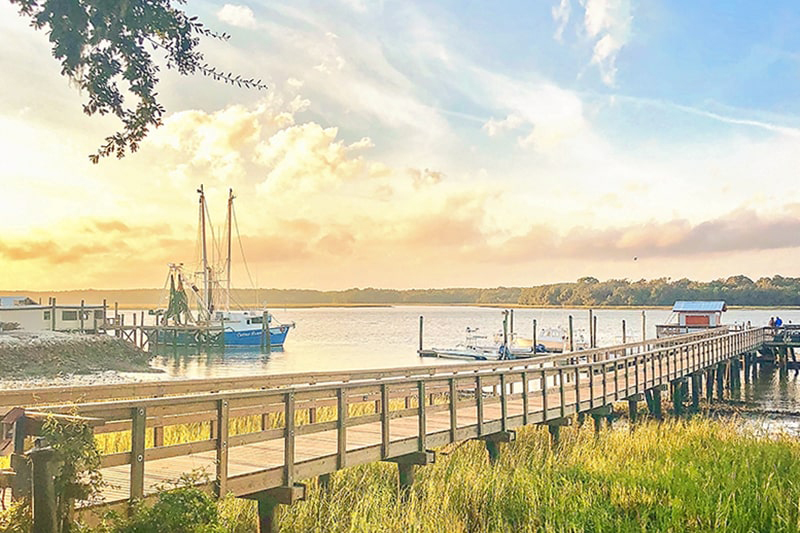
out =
column 44, row 354
column 696, row 475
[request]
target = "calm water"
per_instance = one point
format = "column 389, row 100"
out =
column 328, row 339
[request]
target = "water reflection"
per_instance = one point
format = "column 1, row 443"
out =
column 208, row 362
column 769, row 403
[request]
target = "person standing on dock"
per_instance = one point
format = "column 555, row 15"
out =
column 772, row 321
column 778, row 322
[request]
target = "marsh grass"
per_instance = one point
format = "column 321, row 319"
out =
column 121, row 441
column 680, row 475
column 699, row 475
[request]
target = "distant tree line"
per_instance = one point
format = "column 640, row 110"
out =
column 587, row 291
column 735, row 290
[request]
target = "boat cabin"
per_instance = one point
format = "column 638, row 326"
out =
column 691, row 316
column 27, row 314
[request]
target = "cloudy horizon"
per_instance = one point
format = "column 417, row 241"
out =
column 411, row 145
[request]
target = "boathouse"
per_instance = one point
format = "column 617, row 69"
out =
column 24, row 313
column 692, row 316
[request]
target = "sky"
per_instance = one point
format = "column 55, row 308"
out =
column 418, row 144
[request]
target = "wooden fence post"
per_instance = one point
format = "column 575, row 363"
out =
column 45, row 518
column 138, row 427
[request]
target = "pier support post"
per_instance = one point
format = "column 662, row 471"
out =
column 554, row 428
column 710, row 378
column 633, row 407
column 733, row 378
column 678, row 395
column 45, row 519
column 599, row 415
column 697, row 384
column 493, row 443
column 269, row 500
column 405, row 467
column 747, row 362
column 721, row 381
column 405, row 475
column 654, row 401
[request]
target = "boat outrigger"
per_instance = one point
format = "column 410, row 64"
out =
column 242, row 327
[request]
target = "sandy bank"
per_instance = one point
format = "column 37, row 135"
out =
column 49, row 354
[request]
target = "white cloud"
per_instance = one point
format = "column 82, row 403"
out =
column 236, row 15
column 609, row 22
column 561, row 15
column 494, row 127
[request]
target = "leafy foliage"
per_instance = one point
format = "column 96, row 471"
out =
column 101, row 43
column 16, row 519
column 77, row 476
column 182, row 510
column 587, row 291
column 180, row 507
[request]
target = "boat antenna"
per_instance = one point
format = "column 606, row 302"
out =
column 206, row 288
column 228, row 262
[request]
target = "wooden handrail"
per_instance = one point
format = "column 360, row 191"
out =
column 79, row 394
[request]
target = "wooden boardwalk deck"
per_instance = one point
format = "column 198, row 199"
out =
column 363, row 417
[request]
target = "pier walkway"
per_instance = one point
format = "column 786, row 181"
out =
column 259, row 436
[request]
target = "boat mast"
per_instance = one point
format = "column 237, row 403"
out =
column 206, row 288
column 228, row 265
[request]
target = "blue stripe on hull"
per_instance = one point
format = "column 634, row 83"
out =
column 252, row 337
column 277, row 336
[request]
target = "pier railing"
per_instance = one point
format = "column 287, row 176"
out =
column 82, row 394
column 274, row 431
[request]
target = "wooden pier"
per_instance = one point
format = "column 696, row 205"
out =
column 313, row 424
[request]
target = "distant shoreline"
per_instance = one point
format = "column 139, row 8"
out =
column 485, row 305
column 740, row 292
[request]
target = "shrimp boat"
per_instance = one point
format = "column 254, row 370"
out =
column 239, row 327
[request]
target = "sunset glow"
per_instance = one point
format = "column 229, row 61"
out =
column 420, row 144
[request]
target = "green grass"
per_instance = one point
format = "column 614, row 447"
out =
column 700, row 475
column 680, row 475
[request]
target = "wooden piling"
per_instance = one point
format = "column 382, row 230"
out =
column 268, row 335
column 677, row 396
column 493, row 449
column 45, row 519
column 697, row 383
column 266, row 515
column 710, row 378
column 571, row 335
column 533, row 347
column 624, row 336
column 420, row 332
column 633, row 409
column 644, row 326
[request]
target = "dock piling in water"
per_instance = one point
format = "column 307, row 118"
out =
column 420, row 332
